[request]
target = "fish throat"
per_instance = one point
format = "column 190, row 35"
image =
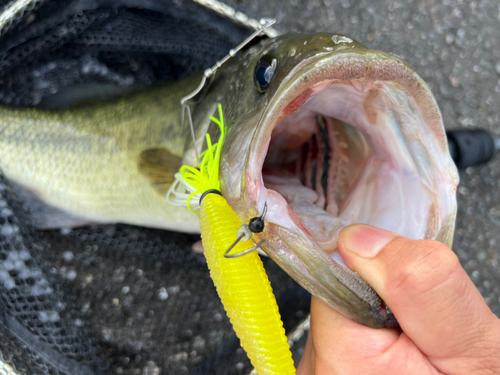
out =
column 337, row 156
column 316, row 176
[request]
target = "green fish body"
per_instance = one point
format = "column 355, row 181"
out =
column 102, row 162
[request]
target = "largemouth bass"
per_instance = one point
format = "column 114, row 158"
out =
column 321, row 130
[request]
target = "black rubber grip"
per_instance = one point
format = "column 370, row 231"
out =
column 469, row 148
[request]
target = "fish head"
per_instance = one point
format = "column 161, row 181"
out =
column 323, row 133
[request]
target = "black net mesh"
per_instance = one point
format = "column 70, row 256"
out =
column 40, row 320
column 62, row 43
column 115, row 298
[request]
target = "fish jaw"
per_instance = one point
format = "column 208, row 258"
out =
column 404, row 180
column 306, row 262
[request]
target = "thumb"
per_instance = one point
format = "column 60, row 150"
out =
column 435, row 302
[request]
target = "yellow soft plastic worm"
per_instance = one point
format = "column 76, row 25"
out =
column 241, row 282
column 245, row 290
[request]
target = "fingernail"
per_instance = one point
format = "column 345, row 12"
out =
column 364, row 240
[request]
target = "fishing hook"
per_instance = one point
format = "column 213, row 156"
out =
column 255, row 225
column 237, row 255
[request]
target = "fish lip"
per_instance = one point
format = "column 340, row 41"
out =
column 346, row 65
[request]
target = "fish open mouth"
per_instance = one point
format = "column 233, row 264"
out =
column 369, row 149
column 316, row 162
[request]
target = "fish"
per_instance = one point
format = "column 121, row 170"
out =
column 322, row 133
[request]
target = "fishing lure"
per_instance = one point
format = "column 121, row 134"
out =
column 241, row 281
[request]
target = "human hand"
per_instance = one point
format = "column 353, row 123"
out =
column 446, row 327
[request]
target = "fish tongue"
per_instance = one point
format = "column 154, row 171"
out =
column 322, row 225
column 291, row 188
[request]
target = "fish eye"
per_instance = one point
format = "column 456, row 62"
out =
column 264, row 71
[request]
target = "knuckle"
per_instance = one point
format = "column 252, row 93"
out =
column 422, row 266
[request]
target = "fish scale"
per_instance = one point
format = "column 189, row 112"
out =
column 85, row 161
